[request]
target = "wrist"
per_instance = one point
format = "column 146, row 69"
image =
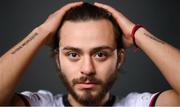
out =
column 44, row 34
column 134, row 31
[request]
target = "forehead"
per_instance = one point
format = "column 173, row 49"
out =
column 87, row 34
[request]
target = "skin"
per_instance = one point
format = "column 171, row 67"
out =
column 164, row 56
column 77, row 59
column 20, row 59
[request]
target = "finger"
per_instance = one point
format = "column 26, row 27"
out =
column 124, row 23
column 68, row 6
column 114, row 12
column 104, row 6
column 59, row 13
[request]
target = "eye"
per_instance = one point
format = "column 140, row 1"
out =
column 73, row 56
column 101, row 56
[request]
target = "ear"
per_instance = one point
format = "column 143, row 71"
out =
column 56, row 58
column 121, row 57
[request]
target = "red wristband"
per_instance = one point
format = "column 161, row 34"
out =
column 135, row 28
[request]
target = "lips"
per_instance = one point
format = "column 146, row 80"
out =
column 86, row 82
column 86, row 85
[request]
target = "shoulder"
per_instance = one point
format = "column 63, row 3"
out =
column 42, row 98
column 136, row 99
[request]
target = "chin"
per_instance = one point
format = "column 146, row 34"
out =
column 88, row 93
column 89, row 97
column 91, row 92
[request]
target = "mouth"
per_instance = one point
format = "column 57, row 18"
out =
column 87, row 85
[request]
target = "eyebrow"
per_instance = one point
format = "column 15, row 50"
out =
column 96, row 49
column 103, row 48
column 71, row 48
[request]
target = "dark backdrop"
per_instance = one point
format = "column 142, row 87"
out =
column 161, row 17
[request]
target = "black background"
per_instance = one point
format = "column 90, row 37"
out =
column 160, row 17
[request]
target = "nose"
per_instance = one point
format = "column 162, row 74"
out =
column 87, row 67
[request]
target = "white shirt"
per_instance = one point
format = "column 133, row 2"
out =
column 46, row 98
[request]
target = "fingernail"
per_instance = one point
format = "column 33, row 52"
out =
column 95, row 3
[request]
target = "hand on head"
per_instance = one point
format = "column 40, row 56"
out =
column 52, row 23
column 125, row 24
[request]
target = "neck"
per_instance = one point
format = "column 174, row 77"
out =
column 74, row 102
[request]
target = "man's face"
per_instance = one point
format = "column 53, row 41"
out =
column 88, row 59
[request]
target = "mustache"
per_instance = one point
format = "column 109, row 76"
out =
column 84, row 79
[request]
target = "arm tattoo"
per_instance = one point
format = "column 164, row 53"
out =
column 154, row 38
column 25, row 43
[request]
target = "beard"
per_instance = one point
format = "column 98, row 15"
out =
column 87, row 98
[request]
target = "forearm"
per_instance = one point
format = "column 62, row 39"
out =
column 15, row 61
column 165, row 57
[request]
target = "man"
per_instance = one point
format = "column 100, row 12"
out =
column 88, row 49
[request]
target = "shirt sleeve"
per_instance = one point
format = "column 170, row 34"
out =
column 153, row 99
column 137, row 99
column 40, row 98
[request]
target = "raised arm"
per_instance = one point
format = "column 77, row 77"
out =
column 165, row 57
column 14, row 62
